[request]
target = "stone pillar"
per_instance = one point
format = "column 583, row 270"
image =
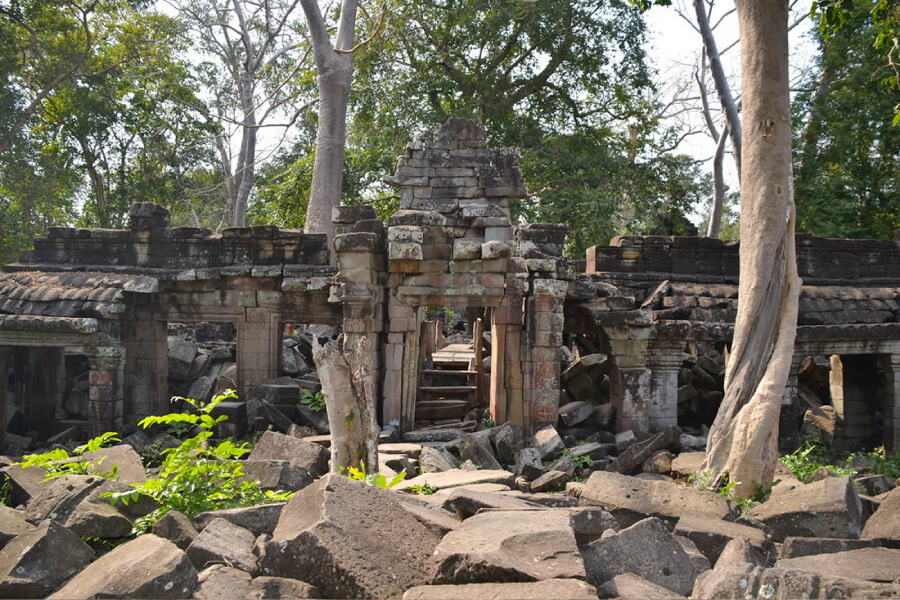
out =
column 106, row 378
column 44, row 386
column 665, row 359
column 6, row 357
column 544, row 317
column 258, row 349
column 790, row 397
column 891, row 364
column 146, row 366
column 507, row 379
column 401, row 325
column 362, row 316
column 631, row 393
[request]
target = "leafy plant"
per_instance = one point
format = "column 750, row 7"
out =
column 195, row 476
column 374, row 479
column 882, row 463
column 423, row 489
column 6, row 492
column 582, row 462
column 809, row 458
column 59, row 462
column 315, row 401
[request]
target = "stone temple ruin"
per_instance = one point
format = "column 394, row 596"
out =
column 632, row 338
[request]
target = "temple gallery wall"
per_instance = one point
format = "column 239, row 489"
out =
column 542, row 330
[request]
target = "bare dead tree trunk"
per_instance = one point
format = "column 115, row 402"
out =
column 247, row 162
column 335, row 73
column 743, row 441
column 719, row 187
column 346, row 373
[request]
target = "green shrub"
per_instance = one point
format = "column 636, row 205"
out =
column 373, row 479
column 315, row 402
column 59, row 462
column 809, row 458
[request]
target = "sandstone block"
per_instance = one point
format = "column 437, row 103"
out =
column 258, row 519
column 458, row 477
column 280, row 587
column 276, row 446
column 507, row 440
column 548, row 442
column 477, row 448
column 872, row 564
column 176, row 528
column 222, row 542
column 885, row 523
column 466, row 502
column 35, row 563
column 550, row 589
column 711, row 536
column 12, row 523
column 222, row 581
column 628, row 586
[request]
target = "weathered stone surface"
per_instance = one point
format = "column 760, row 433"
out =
column 181, row 355
column 177, row 528
column 466, row 502
column 528, row 463
column 872, row 564
column 269, row 588
column 507, row 440
column 645, row 549
column 77, row 503
column 458, row 477
column 35, row 563
column 566, row 464
column 552, row 480
column 548, row 442
column 329, row 533
column 795, row 547
column 739, row 582
column 24, row 483
column 129, row 466
column 277, row 474
column 222, row 542
column 436, row 519
column 698, row 560
column 575, row 412
column 827, row 508
column 221, row 581
column 738, row 551
column 276, row 446
column 634, row 456
column 688, row 463
column 12, row 523
column 629, row 586
column 590, row 522
column 436, row 460
column 258, row 519
column 711, row 536
column 146, row 567
column 504, row 546
column 885, row 523
column 434, row 435
column 630, row 499
column 548, row 589
column 477, row 448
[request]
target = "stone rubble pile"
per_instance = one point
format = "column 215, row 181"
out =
column 507, row 516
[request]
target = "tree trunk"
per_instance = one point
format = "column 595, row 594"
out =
column 743, row 441
column 345, row 370
column 719, row 187
column 247, row 163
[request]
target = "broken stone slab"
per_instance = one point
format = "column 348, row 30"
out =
column 711, row 536
column 434, row 435
column 222, row 542
column 504, row 546
column 146, row 567
column 872, row 564
column 875, row 485
column 413, row 451
column 552, row 480
column 24, row 483
column 629, row 586
column 129, row 466
column 181, row 355
column 222, row 581
column 477, row 448
column 177, row 528
column 528, row 463
column 276, row 474
column 458, row 477
column 646, row 549
column 885, row 522
column 827, row 508
column 508, row 439
column 660, row 463
column 630, row 499
column 12, row 523
column 631, row 459
column 466, row 502
column 747, row 581
column 259, row 519
column 280, row 587
column 329, row 533
column 698, row 560
column 548, row 443
column 548, row 589
column 436, row 460
column 436, row 519
column 795, row 547
column 276, row 446
column 738, row 551
column 576, row 412
column 77, row 502
column 37, row 562
column 688, row 464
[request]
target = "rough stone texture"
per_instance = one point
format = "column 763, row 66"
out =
column 590, row 523
column 466, row 502
column 629, row 586
column 507, row 440
column 550, row 481
column 436, row 460
column 550, row 589
column 176, row 528
column 37, row 562
column 329, row 533
column 548, row 443
column 738, row 551
column 688, row 463
column 221, row 581
column 146, row 567
column 436, row 519
column 885, row 523
column 77, row 503
column 222, row 542
column 277, row 446
column 277, row 474
column 827, row 508
column 509, row 546
column 24, row 483
column 265, row 588
column 795, row 547
column 458, row 477
column 712, row 536
column 739, row 582
column 636, row 454
column 645, row 549
column 528, row 463
column 477, row 448
column 872, row 564
column 630, row 499
column 129, row 466
column 698, row 560
column 258, row 519
column 12, row 523
column 575, row 412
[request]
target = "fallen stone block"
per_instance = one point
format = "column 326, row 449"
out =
column 631, row 459
column 508, row 439
column 277, row 474
column 549, row 589
column 827, row 508
column 688, row 464
column 276, row 446
column 885, row 522
column 645, row 549
column 503, row 546
column 477, row 448
column 177, row 528
column 630, row 499
column 129, row 466
column 12, row 523
column 24, row 483
column 458, row 477
column 436, row 460
column 466, row 502
column 258, row 519
column 436, row 519
column 221, row 581
column 548, row 443
column 739, row 582
column 738, row 551
column 698, row 560
column 795, row 547
column 629, row 586
column 528, row 463
column 264, row 588
column 146, row 567
column 330, row 532
column 711, row 536
column 222, row 542
column 553, row 480
column 872, row 564
column 37, row 562
column 576, row 412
